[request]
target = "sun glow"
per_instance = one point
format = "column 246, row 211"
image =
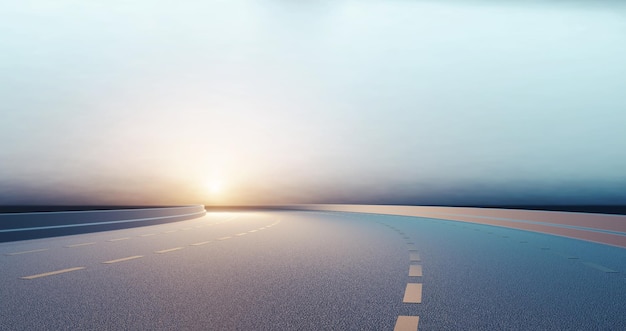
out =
column 215, row 187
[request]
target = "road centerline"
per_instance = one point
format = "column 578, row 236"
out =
column 407, row 323
column 415, row 270
column 414, row 256
column 413, row 293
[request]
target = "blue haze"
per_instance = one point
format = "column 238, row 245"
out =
column 416, row 102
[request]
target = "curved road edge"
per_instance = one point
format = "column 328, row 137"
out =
column 605, row 229
column 23, row 226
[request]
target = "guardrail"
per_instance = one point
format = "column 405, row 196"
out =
column 22, row 226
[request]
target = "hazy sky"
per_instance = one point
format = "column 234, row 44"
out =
column 278, row 101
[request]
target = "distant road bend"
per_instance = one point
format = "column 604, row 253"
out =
column 601, row 228
column 31, row 225
column 324, row 267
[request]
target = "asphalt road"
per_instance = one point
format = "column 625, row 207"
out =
column 312, row 271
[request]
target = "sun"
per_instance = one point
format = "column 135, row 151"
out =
column 215, row 187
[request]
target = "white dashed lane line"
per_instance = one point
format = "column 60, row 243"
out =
column 27, row 252
column 169, row 250
column 123, row 259
column 599, row 267
column 52, row 273
column 201, row 243
column 407, row 323
column 567, row 256
column 119, row 239
column 81, row 244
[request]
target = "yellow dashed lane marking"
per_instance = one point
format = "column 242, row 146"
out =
column 169, row 250
column 407, row 323
column 83, row 244
column 52, row 273
column 123, row 259
column 413, row 293
column 415, row 271
column 241, row 234
column 414, row 256
column 224, row 238
column 27, row 252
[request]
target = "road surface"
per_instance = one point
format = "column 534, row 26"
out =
column 312, row 270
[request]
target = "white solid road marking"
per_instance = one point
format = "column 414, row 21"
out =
column 415, row 271
column 78, row 245
column 201, row 243
column 169, row 250
column 147, row 234
column 119, row 239
column 52, row 273
column 599, row 267
column 414, row 256
column 413, row 293
column 27, row 252
column 123, row 259
column 407, row 323
column 224, row 238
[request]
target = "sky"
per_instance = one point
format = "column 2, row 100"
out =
column 240, row 102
